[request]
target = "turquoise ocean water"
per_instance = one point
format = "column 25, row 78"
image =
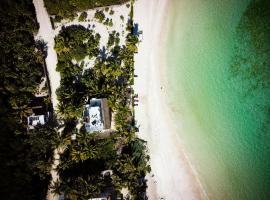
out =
column 224, row 124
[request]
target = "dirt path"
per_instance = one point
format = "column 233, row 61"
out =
column 46, row 33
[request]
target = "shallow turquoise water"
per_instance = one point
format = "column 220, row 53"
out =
column 222, row 125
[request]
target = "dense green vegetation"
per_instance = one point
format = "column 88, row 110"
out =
column 68, row 8
column 73, row 43
column 113, row 39
column 26, row 156
column 251, row 62
column 85, row 158
column 111, row 77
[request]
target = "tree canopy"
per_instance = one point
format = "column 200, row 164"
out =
column 25, row 158
column 111, row 77
column 68, row 8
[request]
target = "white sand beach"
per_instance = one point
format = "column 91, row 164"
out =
column 172, row 176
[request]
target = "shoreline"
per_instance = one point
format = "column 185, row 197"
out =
column 172, row 174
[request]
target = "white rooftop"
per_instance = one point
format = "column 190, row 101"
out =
column 34, row 120
column 93, row 115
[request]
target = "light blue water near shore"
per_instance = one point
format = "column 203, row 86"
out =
column 221, row 125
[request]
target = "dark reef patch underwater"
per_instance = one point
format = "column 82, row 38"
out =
column 251, row 63
column 251, row 66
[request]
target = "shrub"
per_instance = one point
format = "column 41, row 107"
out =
column 83, row 16
column 100, row 16
column 111, row 12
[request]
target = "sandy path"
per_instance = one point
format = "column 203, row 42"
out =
column 174, row 177
column 46, row 33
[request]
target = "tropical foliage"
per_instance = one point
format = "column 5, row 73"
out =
column 27, row 155
column 25, row 158
column 111, row 76
column 68, row 8
column 72, row 45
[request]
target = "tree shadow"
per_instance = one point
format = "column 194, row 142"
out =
column 136, row 31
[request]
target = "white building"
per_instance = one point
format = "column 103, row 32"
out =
column 35, row 120
column 96, row 115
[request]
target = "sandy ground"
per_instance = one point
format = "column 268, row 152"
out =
column 172, row 176
column 46, row 33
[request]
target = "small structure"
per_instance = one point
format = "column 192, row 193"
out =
column 39, row 113
column 109, row 196
column 35, row 120
column 63, row 197
column 96, row 115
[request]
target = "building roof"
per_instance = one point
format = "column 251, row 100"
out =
column 35, row 120
column 93, row 116
column 94, row 119
column 96, row 115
